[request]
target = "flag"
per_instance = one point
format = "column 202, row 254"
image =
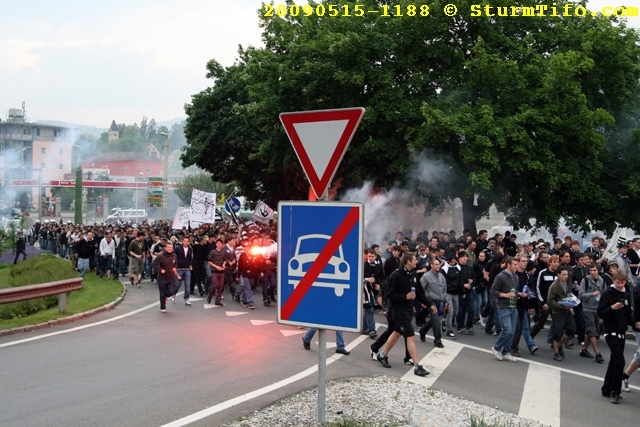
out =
column 181, row 219
column 218, row 216
column 612, row 248
column 263, row 213
column 203, row 207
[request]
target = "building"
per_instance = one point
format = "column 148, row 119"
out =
column 114, row 133
column 32, row 151
column 125, row 166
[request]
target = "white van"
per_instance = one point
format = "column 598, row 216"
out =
column 127, row 215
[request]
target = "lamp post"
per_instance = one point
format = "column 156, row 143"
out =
column 165, row 174
column 77, row 215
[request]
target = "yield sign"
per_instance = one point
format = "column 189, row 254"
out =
column 320, row 138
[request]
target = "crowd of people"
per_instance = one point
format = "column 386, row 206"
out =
column 453, row 283
column 440, row 282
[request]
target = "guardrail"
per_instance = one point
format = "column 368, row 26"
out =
column 62, row 288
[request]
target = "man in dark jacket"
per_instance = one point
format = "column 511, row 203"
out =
column 184, row 258
column 402, row 289
column 615, row 311
column 466, row 302
column 85, row 252
column 166, row 266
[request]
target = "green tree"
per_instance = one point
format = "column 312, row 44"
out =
column 199, row 181
column 517, row 109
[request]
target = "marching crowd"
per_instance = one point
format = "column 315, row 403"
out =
column 450, row 284
column 438, row 282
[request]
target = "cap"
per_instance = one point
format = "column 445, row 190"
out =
column 612, row 262
column 621, row 245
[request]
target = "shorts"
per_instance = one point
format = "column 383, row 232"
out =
column 591, row 324
column 563, row 323
column 135, row 266
column 403, row 323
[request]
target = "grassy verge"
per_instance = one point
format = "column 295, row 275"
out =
column 47, row 268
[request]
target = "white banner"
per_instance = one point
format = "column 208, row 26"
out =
column 612, row 247
column 263, row 213
column 203, row 208
column 181, row 219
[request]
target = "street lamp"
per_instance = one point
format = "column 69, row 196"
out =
column 165, row 173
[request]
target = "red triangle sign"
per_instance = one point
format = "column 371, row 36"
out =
column 320, row 138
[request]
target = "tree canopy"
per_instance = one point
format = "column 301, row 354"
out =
column 533, row 114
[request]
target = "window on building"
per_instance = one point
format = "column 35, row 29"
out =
column 38, row 131
column 126, row 169
column 139, row 168
column 60, row 166
column 115, row 169
column 42, row 165
column 43, row 150
column 61, row 151
column 56, row 132
column 148, row 169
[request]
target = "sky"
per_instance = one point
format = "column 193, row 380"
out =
column 91, row 62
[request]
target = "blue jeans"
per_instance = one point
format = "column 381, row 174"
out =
column 481, row 300
column 83, row 266
column 508, row 320
column 312, row 331
column 369, row 321
column 246, row 284
column 185, row 275
column 269, row 284
column 64, row 251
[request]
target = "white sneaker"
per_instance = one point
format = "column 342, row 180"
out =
column 483, row 321
column 625, row 385
column 187, row 302
column 509, row 357
column 173, row 298
column 496, row 353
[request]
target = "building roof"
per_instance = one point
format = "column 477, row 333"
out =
column 123, row 156
column 114, row 127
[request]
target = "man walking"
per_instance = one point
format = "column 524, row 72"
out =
column 402, row 289
column 184, row 258
column 504, row 291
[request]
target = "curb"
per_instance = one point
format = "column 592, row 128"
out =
column 51, row 323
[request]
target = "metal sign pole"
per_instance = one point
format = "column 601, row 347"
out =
column 322, row 375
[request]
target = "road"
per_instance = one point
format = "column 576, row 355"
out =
column 206, row 365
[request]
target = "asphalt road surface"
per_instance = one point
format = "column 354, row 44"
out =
column 206, row 366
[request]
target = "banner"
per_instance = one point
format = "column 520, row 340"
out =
column 181, row 219
column 612, row 248
column 263, row 213
column 203, row 208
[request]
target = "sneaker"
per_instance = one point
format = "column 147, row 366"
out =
column 173, row 298
column 219, row 303
column 462, row 332
column 252, row 307
column 444, row 327
column 615, row 397
column 163, row 310
column 343, row 351
column 451, row 335
column 470, row 331
column 625, row 386
column 533, row 349
column 208, row 300
column 306, row 345
column 438, row 344
column 373, row 335
column 420, row 371
column 599, row 358
column 384, row 361
column 497, row 354
column 483, row 321
column 374, row 355
column 515, row 353
column 585, row 353
column 495, row 333
column 509, row 357
column 561, row 352
column 187, row 302
column 569, row 344
column 557, row 357
column 408, row 361
column 244, row 304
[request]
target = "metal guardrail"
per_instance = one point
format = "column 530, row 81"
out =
column 24, row 293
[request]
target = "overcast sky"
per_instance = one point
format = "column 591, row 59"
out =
column 90, row 62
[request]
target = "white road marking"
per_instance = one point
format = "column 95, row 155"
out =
column 262, row 322
column 289, row 332
column 537, row 405
column 235, row 313
column 436, row 361
column 207, row 306
column 257, row 393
